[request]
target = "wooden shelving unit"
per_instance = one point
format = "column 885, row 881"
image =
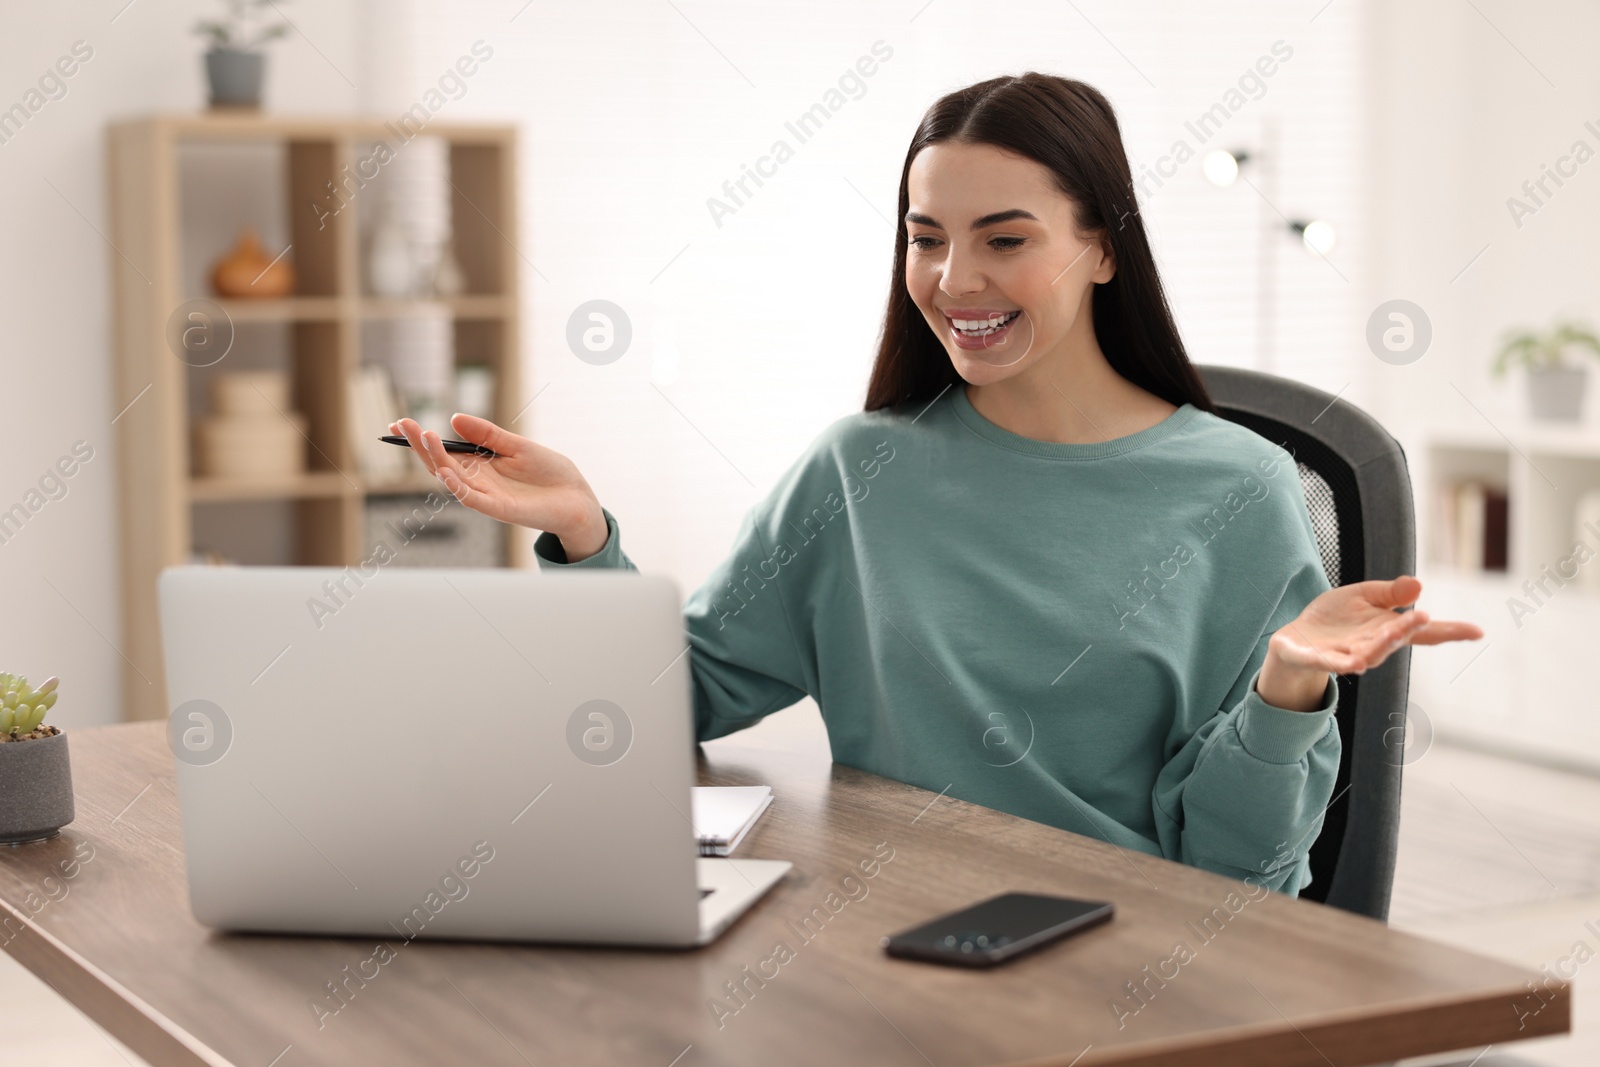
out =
column 159, row 494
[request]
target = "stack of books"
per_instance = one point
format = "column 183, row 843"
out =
column 1470, row 526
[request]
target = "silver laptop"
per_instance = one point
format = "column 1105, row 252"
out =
column 462, row 753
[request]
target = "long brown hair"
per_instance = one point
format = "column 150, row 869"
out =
column 1070, row 128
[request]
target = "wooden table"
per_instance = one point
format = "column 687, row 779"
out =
column 101, row 913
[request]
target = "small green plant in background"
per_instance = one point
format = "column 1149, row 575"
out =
column 22, row 707
column 1538, row 350
column 240, row 29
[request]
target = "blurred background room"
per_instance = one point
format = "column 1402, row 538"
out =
column 233, row 254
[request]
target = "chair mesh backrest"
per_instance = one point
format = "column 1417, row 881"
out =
column 1334, row 502
column 1324, row 519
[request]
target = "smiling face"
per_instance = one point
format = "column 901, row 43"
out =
column 995, row 261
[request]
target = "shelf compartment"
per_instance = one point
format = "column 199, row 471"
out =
column 1450, row 464
column 1556, row 485
column 483, row 215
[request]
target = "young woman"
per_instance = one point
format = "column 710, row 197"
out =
column 1038, row 572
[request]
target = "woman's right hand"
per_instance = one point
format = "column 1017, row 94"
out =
column 525, row 483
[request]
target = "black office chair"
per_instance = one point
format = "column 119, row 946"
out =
column 1359, row 494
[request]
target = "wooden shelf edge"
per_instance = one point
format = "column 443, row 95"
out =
column 251, row 125
column 1575, row 442
column 311, row 484
column 314, row 484
column 279, row 309
column 403, row 487
column 335, row 308
column 470, row 306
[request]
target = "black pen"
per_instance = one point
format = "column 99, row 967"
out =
column 449, row 446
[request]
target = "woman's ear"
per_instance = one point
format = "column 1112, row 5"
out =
column 1107, row 268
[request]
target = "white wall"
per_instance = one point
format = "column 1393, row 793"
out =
column 1468, row 102
column 634, row 113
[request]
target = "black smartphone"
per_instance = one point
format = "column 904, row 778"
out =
column 998, row 929
column 449, row 446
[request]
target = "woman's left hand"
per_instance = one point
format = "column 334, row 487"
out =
column 1348, row 630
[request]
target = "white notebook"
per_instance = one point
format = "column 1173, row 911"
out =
column 723, row 814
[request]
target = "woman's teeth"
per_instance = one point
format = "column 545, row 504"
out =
column 983, row 327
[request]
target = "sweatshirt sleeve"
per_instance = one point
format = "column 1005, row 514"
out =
column 1246, row 794
column 743, row 658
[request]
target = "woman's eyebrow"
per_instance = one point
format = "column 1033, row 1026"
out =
column 977, row 224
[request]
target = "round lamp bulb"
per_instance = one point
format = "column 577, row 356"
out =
column 1221, row 167
column 1319, row 236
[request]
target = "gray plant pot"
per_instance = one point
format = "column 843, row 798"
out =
column 1556, row 393
column 35, row 789
column 235, row 77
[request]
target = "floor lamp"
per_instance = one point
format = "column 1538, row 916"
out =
column 1318, row 236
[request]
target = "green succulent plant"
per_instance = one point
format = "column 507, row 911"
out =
column 22, row 707
column 1539, row 350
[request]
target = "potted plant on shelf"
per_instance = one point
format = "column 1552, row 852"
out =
column 234, row 65
column 35, row 774
column 1555, row 384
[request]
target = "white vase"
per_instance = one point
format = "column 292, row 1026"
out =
column 390, row 271
column 1555, row 394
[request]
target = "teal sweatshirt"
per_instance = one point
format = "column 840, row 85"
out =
column 1066, row 632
